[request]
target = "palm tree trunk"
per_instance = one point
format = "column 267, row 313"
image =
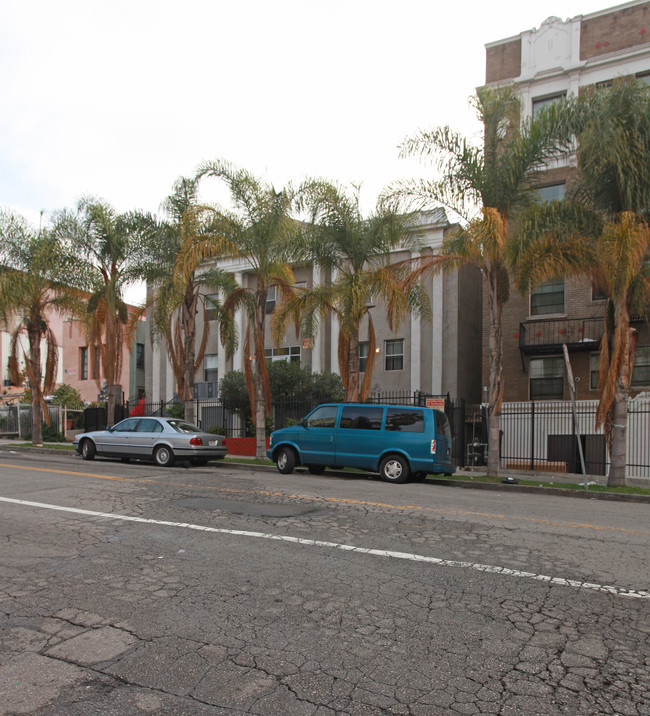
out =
column 616, row 476
column 261, row 378
column 35, row 364
column 352, row 387
column 496, row 376
column 188, row 317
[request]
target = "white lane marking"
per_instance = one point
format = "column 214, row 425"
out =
column 618, row 591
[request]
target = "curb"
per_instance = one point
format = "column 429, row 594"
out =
column 464, row 484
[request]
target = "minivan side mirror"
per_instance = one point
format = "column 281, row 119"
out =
column 303, row 422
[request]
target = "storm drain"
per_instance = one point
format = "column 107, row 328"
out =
column 253, row 509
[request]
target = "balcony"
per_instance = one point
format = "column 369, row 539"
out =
column 578, row 334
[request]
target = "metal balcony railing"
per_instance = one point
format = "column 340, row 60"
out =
column 578, row 334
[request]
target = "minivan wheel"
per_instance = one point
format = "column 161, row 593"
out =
column 285, row 460
column 163, row 456
column 316, row 469
column 394, row 468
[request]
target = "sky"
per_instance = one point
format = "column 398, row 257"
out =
column 118, row 99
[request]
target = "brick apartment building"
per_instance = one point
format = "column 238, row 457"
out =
column 546, row 64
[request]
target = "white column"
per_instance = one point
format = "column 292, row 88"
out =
column 437, row 306
column 317, row 347
column 415, row 344
column 238, row 360
column 221, row 351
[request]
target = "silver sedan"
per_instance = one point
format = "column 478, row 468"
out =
column 163, row 440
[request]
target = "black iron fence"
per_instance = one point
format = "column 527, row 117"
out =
column 542, row 436
column 533, row 435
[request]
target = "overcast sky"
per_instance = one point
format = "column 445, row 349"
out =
column 117, row 99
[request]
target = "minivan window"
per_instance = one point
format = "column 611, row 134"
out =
column 361, row 417
column 442, row 424
column 405, row 421
column 323, row 417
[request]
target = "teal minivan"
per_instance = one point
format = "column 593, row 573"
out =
column 399, row 442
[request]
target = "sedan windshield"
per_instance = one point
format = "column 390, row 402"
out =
column 181, row 426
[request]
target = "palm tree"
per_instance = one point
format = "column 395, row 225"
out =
column 33, row 283
column 265, row 236
column 356, row 250
column 111, row 248
column 603, row 233
column 486, row 185
column 175, row 270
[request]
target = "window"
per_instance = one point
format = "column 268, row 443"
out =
column 594, row 359
column 643, row 77
column 605, row 84
column 598, row 291
column 149, row 426
column 552, row 192
column 127, row 426
column 363, row 355
column 323, row 417
column 180, row 426
column 395, row 354
column 211, row 368
column 549, row 298
column 211, row 303
column 83, row 363
column 270, row 299
column 547, row 379
column 139, row 356
column 288, row 353
column 96, row 368
column 362, row 417
column 540, row 102
column 641, row 375
column 405, row 421
column 442, row 424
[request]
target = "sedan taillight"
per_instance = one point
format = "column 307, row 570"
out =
column 196, row 441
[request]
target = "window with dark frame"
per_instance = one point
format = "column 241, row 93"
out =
column 83, row 363
column 288, row 353
column 139, row 356
column 548, row 298
column 270, row 299
column 598, row 291
column 594, row 359
column 363, row 355
column 405, row 421
column 211, row 367
column 211, row 303
column 395, row 354
column 546, row 378
column 550, row 192
column 361, row 417
column 641, row 374
column 540, row 102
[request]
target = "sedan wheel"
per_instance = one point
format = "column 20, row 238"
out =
column 394, row 468
column 164, row 456
column 88, row 450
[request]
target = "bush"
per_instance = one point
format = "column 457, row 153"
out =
column 176, row 410
column 68, row 396
column 217, row 430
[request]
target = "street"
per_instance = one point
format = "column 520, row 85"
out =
column 130, row 589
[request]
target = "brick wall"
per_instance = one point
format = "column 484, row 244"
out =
column 503, row 62
column 615, row 31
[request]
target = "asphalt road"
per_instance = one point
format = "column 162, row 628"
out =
column 223, row 590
